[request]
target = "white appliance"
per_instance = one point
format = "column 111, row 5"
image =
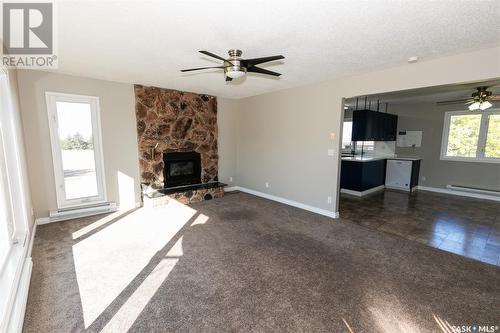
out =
column 398, row 174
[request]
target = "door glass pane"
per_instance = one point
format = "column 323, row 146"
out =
column 493, row 137
column 463, row 135
column 77, row 149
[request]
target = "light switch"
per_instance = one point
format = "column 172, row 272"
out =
column 331, row 152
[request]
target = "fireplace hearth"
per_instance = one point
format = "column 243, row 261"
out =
column 181, row 168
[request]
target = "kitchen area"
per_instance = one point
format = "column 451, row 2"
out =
column 369, row 160
column 437, row 140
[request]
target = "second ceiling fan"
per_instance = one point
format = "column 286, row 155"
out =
column 479, row 100
column 236, row 67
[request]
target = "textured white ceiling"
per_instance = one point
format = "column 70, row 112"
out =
column 148, row 42
column 429, row 94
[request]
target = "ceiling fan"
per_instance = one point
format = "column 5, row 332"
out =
column 478, row 100
column 235, row 67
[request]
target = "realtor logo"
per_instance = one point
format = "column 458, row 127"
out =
column 27, row 28
column 28, row 34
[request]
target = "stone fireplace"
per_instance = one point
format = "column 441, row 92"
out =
column 177, row 138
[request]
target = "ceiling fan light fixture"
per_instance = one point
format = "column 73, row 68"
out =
column 474, row 106
column 236, row 67
column 235, row 74
column 485, row 105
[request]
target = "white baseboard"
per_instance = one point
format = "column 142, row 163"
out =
column 230, row 188
column 18, row 312
column 459, row 193
column 313, row 209
column 362, row 193
column 18, row 309
column 43, row 220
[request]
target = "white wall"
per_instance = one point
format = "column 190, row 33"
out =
column 281, row 137
column 227, row 122
column 284, row 136
column 119, row 134
column 429, row 118
column 23, row 207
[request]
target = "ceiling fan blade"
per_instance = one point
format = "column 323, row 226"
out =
column 494, row 98
column 229, row 79
column 210, row 54
column 262, row 71
column 457, row 101
column 256, row 61
column 200, row 68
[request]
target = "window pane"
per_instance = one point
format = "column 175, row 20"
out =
column 365, row 146
column 6, row 222
column 463, row 135
column 77, row 149
column 347, row 134
column 493, row 137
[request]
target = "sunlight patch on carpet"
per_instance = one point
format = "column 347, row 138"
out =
column 108, row 261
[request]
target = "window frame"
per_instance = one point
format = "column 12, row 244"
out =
column 16, row 188
column 10, row 225
column 51, row 99
column 481, row 142
column 342, row 139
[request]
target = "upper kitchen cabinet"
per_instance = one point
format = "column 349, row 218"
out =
column 373, row 126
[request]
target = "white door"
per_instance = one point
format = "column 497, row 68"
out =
column 76, row 149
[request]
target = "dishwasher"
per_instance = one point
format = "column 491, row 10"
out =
column 402, row 174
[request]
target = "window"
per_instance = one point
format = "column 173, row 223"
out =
column 6, row 222
column 471, row 136
column 365, row 146
column 349, row 146
column 347, row 135
column 76, row 149
column 14, row 207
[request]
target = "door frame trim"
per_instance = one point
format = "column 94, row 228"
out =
column 51, row 98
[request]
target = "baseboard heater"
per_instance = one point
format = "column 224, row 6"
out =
column 473, row 190
column 81, row 211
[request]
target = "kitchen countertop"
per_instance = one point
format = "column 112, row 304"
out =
column 403, row 158
column 363, row 158
column 376, row 158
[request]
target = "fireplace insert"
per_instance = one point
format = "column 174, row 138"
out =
column 181, row 168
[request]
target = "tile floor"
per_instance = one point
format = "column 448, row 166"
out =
column 464, row 226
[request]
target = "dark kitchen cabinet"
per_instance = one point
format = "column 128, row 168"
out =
column 391, row 126
column 373, row 126
column 361, row 176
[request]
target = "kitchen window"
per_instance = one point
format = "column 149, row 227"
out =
column 354, row 147
column 346, row 135
column 471, row 136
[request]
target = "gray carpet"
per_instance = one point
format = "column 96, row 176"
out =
column 260, row 266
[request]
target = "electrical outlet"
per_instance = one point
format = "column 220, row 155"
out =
column 329, row 200
column 423, row 178
column 330, row 152
column 267, row 184
column 231, row 179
